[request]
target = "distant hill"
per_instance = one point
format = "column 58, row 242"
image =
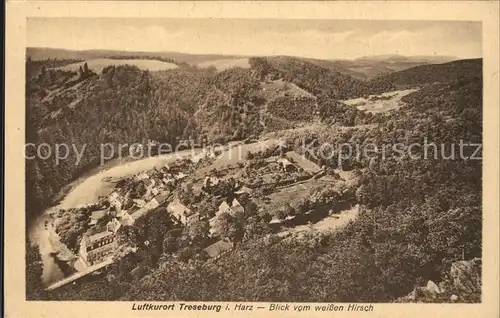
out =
column 363, row 68
column 50, row 53
column 308, row 74
column 226, row 63
column 369, row 67
column 461, row 70
column 97, row 65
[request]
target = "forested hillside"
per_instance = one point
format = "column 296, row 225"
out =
column 127, row 105
column 420, row 216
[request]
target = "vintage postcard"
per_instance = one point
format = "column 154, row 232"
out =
column 269, row 158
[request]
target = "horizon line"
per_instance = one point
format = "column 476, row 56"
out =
column 258, row 55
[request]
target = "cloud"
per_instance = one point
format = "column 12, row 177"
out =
column 329, row 40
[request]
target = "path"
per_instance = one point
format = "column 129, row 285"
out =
column 78, row 275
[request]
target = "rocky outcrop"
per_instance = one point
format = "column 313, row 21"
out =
column 466, row 277
column 463, row 284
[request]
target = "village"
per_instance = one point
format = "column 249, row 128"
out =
column 199, row 192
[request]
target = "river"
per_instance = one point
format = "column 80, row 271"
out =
column 83, row 191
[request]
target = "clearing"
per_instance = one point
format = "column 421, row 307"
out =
column 100, row 184
column 380, row 103
column 328, row 224
column 97, row 65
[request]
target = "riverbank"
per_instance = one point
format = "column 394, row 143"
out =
column 86, row 189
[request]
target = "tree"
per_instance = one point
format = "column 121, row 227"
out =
column 34, row 270
column 199, row 231
column 170, row 244
column 230, row 227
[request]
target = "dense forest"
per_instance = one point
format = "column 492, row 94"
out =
column 418, row 216
column 127, row 105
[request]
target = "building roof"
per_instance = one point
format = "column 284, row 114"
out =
column 146, row 208
column 97, row 215
column 113, row 196
column 96, row 237
column 224, row 207
column 303, row 162
column 178, row 208
column 139, row 202
column 139, row 271
column 127, row 219
column 236, row 203
column 275, row 221
column 213, row 181
column 243, row 190
column 150, row 182
column 113, row 225
column 236, row 209
column 284, row 161
column 219, row 247
column 180, row 175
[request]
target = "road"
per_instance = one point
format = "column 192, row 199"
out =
column 80, row 274
column 87, row 190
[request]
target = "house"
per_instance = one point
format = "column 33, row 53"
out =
column 97, row 215
column 139, row 272
column 150, row 183
column 115, row 207
column 180, row 176
column 155, row 191
column 182, row 212
column 98, row 247
column 142, row 176
column 192, row 218
column 275, row 220
column 113, row 226
column 225, row 208
column 218, row 248
column 210, row 182
column 126, row 219
column 303, row 162
column 286, row 165
column 113, row 196
column 235, row 203
column 243, row 191
column 212, row 230
column 145, row 209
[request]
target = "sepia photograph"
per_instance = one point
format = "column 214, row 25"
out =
column 243, row 163
column 255, row 160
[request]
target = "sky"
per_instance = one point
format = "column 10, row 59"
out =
column 324, row 39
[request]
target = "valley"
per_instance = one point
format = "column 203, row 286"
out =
column 187, row 225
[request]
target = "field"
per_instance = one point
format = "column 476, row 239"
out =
column 224, row 64
column 292, row 194
column 237, row 154
column 380, row 103
column 97, row 65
